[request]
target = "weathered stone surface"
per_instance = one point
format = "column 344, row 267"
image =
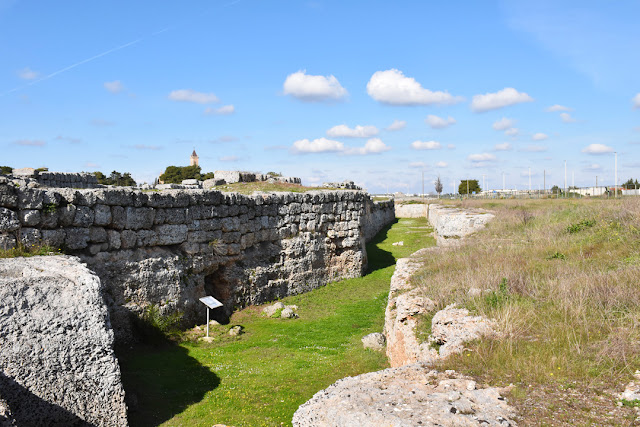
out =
column 451, row 224
column 418, row 210
column 171, row 234
column 102, row 215
column 211, row 183
column 452, row 327
column 288, row 313
column 8, row 220
column 270, row 310
column 30, row 217
column 374, row 341
column 52, row 316
column 411, row 395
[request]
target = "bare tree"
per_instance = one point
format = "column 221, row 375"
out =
column 438, row 185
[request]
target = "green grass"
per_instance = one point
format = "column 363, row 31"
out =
column 27, row 251
column 261, row 377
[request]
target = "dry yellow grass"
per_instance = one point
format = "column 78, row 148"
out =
column 562, row 279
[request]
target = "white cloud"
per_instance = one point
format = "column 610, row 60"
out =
column 426, row 145
column 28, row 74
column 442, row 164
column 593, row 167
column 451, row 146
column 503, row 98
column 539, row 136
column 566, row 117
column 636, row 101
column 373, row 146
column 313, row 88
column 503, row 124
column 418, row 165
column 482, row 157
column 555, row 108
column 357, row 132
column 397, row 125
column 320, row 145
column 534, row 148
column 225, row 110
column 30, row 143
column 114, row 86
column 438, row 122
column 505, row 146
column 188, row 95
column 392, row 87
column 511, row 131
column 597, row 149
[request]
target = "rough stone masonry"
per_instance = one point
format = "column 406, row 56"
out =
column 168, row 248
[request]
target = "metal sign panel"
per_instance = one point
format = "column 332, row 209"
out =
column 210, row 302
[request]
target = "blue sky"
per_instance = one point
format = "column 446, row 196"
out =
column 374, row 92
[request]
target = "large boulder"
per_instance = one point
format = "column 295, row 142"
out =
column 57, row 364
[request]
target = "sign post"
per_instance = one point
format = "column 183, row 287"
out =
column 211, row 303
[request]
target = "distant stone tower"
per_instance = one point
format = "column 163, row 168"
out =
column 194, row 158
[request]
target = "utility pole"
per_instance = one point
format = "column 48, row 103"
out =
column 615, row 184
column 565, row 178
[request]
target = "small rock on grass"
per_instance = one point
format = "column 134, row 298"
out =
column 278, row 309
column 235, row 330
column 374, row 341
column 270, row 310
column 288, row 313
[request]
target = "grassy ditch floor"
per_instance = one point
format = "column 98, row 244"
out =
column 561, row 277
column 261, row 377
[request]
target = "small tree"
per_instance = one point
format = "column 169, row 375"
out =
column 6, row 170
column 438, row 185
column 176, row 174
column 469, row 186
column 631, row 184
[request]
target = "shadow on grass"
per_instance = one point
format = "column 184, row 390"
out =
column 161, row 380
column 379, row 258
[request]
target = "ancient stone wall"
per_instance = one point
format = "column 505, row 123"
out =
column 169, row 248
column 57, row 363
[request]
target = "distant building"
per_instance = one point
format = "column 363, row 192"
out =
column 194, row 158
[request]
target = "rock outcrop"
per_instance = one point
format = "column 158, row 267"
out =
column 57, row 364
column 412, row 395
column 451, row 224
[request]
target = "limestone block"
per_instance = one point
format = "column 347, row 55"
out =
column 113, row 239
column 97, row 234
column 191, row 182
column 200, row 236
column 116, row 197
column 231, row 237
column 228, row 176
column 212, row 183
column 84, row 216
column 374, row 341
column 233, row 249
column 76, row 238
column 247, row 240
column 24, row 172
column 49, row 219
column 128, row 239
column 8, row 196
column 102, row 215
column 66, row 215
column 230, row 224
column 171, row 234
column 30, row 236
column 137, row 218
column 8, row 220
column 54, row 238
column 30, row 199
column 118, row 217
column 146, row 238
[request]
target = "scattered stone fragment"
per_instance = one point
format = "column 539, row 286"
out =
column 270, row 310
column 288, row 313
column 206, row 339
column 401, row 243
column 632, row 390
column 374, row 341
column 235, row 330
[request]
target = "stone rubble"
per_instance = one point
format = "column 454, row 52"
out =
column 375, row 341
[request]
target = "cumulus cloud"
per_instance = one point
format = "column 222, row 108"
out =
column 539, row 136
column 310, row 88
column 636, row 101
column 451, row 146
column 320, row 145
column 373, row 146
column 442, row 164
column 225, row 110
column 555, row 108
column 503, row 98
column 566, row 117
column 505, row 146
column 503, row 124
column 438, row 122
column 393, row 87
column 481, row 157
column 511, row 131
column 357, row 132
column 597, row 149
column 426, row 145
column 397, row 125
column 31, row 142
column 534, row 148
column 188, row 95
column 114, row 86
column 28, row 74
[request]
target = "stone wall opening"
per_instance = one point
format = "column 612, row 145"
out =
column 218, row 286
